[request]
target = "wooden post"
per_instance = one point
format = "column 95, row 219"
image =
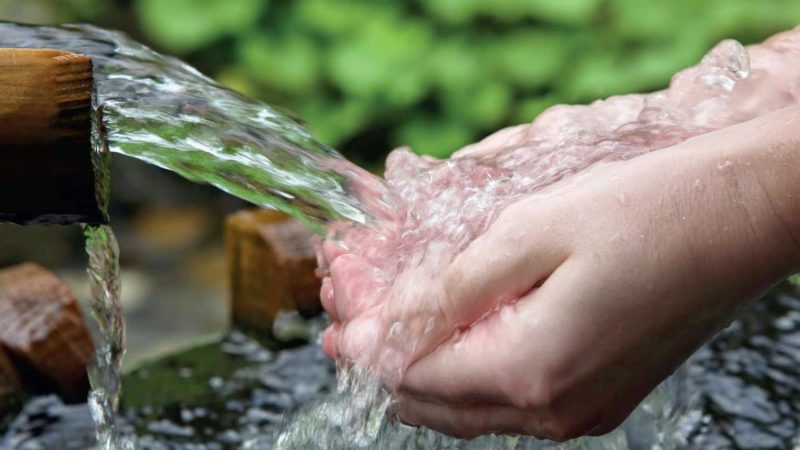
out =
column 271, row 266
column 43, row 333
column 46, row 171
column 10, row 386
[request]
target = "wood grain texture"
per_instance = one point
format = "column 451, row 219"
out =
column 42, row 330
column 271, row 265
column 10, row 386
column 46, row 171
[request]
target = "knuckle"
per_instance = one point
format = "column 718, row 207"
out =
column 561, row 431
column 453, row 278
column 540, row 395
column 544, row 389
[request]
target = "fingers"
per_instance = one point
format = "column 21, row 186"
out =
column 327, row 298
column 330, row 340
column 519, row 355
column 482, row 355
column 354, row 287
column 495, row 142
column 506, row 262
column 359, row 341
column 529, row 356
column 469, row 421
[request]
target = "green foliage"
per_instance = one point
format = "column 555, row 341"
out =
column 433, row 136
column 436, row 74
column 289, row 63
column 186, row 25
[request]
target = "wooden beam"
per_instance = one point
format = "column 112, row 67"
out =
column 43, row 333
column 46, row 170
column 271, row 265
column 10, row 386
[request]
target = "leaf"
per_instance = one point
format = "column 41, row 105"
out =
column 237, row 81
column 650, row 20
column 338, row 18
column 483, row 106
column 433, row 136
column 383, row 62
column 529, row 58
column 334, row 121
column 457, row 64
column 565, row 12
column 186, row 25
column 286, row 63
column 528, row 110
column 451, row 12
column 595, row 75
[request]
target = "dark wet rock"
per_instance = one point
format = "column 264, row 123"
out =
column 231, row 393
column 46, row 423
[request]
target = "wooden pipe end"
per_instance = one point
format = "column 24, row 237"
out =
column 46, row 169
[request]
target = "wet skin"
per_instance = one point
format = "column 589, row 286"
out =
column 581, row 297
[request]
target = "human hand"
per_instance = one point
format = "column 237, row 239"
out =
column 620, row 274
column 580, row 298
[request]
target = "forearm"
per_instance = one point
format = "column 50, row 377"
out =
column 731, row 203
column 767, row 160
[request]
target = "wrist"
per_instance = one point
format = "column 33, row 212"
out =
column 765, row 160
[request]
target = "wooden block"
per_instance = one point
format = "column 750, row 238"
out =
column 271, row 265
column 42, row 330
column 10, row 386
column 46, row 169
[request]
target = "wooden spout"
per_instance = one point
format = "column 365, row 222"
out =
column 46, row 170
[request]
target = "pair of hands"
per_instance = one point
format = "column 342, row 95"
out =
column 579, row 299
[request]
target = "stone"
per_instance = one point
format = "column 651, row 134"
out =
column 42, row 330
column 271, row 264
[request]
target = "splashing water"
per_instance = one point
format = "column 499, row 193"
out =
column 442, row 206
column 159, row 110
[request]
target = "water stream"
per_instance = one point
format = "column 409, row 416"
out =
column 104, row 376
column 157, row 109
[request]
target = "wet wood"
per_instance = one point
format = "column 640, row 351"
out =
column 46, row 172
column 42, row 330
column 10, row 386
column 271, row 265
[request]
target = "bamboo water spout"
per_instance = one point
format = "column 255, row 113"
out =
column 46, row 169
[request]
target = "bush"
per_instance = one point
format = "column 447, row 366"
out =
column 437, row 74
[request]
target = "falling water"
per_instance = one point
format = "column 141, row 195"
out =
column 159, row 110
column 103, row 270
column 104, row 282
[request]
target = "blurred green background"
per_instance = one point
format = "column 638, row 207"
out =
column 369, row 75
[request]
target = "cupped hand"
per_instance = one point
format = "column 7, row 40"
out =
column 579, row 299
column 618, row 275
